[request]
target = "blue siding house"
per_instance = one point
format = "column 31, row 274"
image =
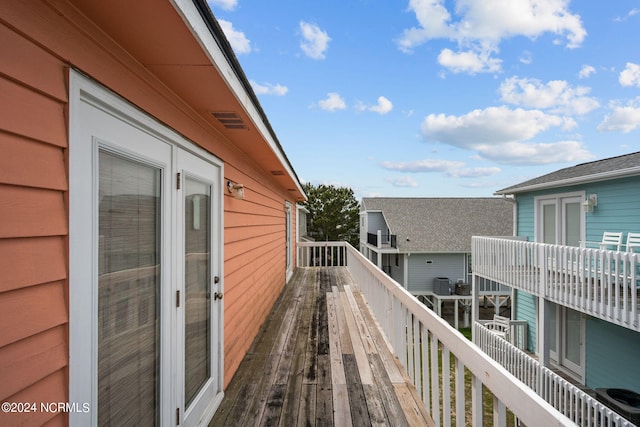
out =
column 579, row 297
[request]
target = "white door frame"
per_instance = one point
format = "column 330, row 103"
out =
column 560, row 201
column 159, row 146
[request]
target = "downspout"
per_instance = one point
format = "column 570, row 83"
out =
column 514, row 234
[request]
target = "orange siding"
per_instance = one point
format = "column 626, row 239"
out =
column 33, row 194
column 254, row 264
column 33, row 228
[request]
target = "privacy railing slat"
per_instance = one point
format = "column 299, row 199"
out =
column 574, row 403
column 424, row 344
column 600, row 283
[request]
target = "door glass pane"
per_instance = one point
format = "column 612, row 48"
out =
column 197, row 269
column 549, row 224
column 572, row 224
column 553, row 325
column 128, row 291
column 572, row 336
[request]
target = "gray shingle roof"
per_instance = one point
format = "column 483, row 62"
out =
column 613, row 167
column 442, row 224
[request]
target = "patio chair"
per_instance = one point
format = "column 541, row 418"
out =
column 500, row 326
column 633, row 242
column 611, row 239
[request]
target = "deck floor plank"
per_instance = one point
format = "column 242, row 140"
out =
column 320, row 360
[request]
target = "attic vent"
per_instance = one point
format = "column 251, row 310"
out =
column 229, row 120
column 277, row 173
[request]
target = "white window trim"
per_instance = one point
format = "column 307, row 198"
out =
column 83, row 250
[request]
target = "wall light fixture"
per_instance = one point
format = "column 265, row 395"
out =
column 236, row 189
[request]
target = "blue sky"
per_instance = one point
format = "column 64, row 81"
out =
column 420, row 98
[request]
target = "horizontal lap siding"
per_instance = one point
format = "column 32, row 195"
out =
column 254, row 264
column 33, row 227
column 612, row 353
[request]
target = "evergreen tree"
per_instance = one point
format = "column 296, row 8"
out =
column 334, row 213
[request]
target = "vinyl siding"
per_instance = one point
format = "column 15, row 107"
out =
column 421, row 274
column 33, row 227
column 618, row 208
column 526, row 309
column 611, row 356
column 397, row 273
column 376, row 222
column 33, row 195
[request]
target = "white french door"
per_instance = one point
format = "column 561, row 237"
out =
column 560, row 221
column 199, row 287
column 145, row 267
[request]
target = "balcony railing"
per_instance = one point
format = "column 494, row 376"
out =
column 574, row 403
column 384, row 240
column 438, row 359
column 600, row 283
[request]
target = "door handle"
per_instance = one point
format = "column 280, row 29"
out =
column 218, row 295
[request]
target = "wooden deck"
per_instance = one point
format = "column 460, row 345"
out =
column 320, row 359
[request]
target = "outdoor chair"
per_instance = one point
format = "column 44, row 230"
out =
column 633, row 242
column 500, row 326
column 611, row 239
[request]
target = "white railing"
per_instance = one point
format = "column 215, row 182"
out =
column 600, row 283
column 322, row 254
column 518, row 334
column 574, row 403
column 439, row 360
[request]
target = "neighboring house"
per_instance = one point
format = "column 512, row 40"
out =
column 582, row 314
column 146, row 212
column 417, row 240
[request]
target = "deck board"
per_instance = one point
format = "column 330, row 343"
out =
column 320, row 360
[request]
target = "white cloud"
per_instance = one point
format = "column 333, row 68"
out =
column 403, row 181
column 469, row 62
column 451, row 168
column 631, row 13
column 536, row 153
column 474, row 172
column 622, row 118
column 502, row 135
column 332, row 102
column 224, row 4
column 480, row 26
column 315, row 41
column 557, row 95
column 526, row 57
column 493, row 125
column 239, row 42
column 382, row 107
column 586, row 71
column 269, row 89
column 427, row 165
column 630, row 76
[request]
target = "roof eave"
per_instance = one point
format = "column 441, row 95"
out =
column 213, row 40
column 585, row 179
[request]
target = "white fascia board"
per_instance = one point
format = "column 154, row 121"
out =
column 586, row 179
column 192, row 18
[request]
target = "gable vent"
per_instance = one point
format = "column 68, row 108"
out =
column 277, row 173
column 229, row 120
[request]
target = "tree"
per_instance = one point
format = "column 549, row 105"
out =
column 334, row 213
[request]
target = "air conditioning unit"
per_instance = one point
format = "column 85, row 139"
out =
column 442, row 286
